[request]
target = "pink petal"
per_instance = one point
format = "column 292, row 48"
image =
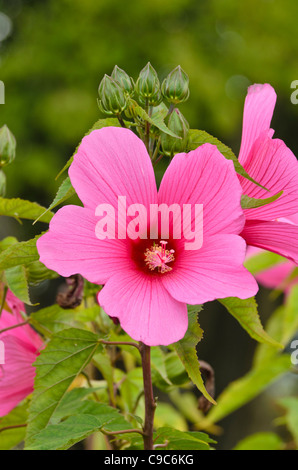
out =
column 293, row 219
column 24, row 333
column 272, row 164
column 204, row 176
column 214, row 272
column 144, row 308
column 279, row 237
column 17, row 374
column 258, row 111
column 275, row 276
column 14, row 303
column 71, row 247
column 113, row 162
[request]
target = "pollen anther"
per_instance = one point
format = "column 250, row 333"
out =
column 158, row 257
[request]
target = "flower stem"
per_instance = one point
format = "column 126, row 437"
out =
column 120, row 119
column 150, row 404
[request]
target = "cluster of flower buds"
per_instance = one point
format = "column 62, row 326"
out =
column 7, row 154
column 115, row 94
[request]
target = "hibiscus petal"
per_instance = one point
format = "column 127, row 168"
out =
column 272, row 164
column 258, row 111
column 24, row 333
column 275, row 276
column 71, row 247
column 113, row 162
column 214, row 272
column 204, row 176
column 16, row 375
column 278, row 237
column 146, row 311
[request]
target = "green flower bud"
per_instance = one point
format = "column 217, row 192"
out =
column 2, row 184
column 112, row 97
column 175, row 88
column 123, row 79
column 179, row 125
column 148, row 86
column 7, row 146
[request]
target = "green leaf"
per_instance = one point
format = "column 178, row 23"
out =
column 187, row 404
column 175, row 371
column 63, row 436
column 186, row 350
column 84, row 417
column 103, row 363
column 252, row 203
column 108, row 122
column 291, row 406
column 71, row 403
column 242, row 391
column 7, row 242
column 282, row 326
column 198, row 138
column 65, row 192
column 65, row 356
column 12, row 437
column 22, row 253
column 178, row 440
column 74, row 429
column 156, row 119
column 37, row 273
column 246, row 313
column 290, row 319
column 167, row 415
column 158, row 369
column 54, row 319
column 17, row 281
column 261, row 441
column 20, row 209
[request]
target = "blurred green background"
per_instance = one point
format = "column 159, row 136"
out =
column 53, row 54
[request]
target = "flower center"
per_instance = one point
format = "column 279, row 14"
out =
column 157, row 257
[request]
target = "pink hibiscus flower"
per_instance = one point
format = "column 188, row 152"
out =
column 272, row 164
column 21, row 348
column 148, row 282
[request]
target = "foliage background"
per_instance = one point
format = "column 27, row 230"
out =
column 53, row 54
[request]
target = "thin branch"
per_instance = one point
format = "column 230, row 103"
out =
column 16, row 426
column 156, row 149
column 119, row 343
column 158, row 160
column 14, row 326
column 125, row 431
